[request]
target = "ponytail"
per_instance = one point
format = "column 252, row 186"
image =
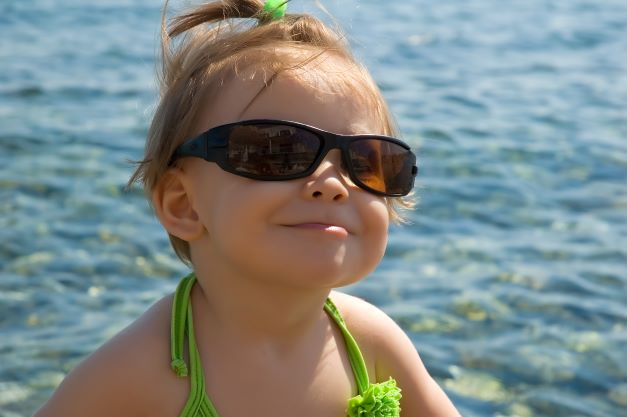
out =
column 215, row 12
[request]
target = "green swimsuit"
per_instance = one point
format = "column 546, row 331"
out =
column 381, row 400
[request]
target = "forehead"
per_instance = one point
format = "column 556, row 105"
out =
column 329, row 92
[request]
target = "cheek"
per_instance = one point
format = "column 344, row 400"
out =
column 376, row 222
column 226, row 212
column 380, row 221
column 375, row 210
column 239, row 212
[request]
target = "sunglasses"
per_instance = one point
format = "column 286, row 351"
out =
column 277, row 150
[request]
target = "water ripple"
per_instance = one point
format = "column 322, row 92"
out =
column 510, row 278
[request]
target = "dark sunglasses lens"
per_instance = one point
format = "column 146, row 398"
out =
column 271, row 150
column 383, row 166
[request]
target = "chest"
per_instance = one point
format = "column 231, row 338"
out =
column 320, row 386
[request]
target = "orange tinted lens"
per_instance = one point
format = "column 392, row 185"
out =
column 382, row 165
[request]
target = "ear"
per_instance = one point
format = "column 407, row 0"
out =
column 173, row 206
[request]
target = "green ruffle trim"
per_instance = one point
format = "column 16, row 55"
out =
column 379, row 400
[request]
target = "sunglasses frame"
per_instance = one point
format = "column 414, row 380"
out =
column 212, row 146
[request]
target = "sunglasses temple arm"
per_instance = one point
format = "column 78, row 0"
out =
column 201, row 146
column 194, row 147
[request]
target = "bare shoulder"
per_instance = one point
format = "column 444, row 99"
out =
column 120, row 377
column 364, row 319
column 394, row 355
column 377, row 334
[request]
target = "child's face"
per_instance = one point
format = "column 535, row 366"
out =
column 269, row 228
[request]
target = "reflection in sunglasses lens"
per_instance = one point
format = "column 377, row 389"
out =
column 272, row 150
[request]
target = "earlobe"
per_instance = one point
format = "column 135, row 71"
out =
column 173, row 206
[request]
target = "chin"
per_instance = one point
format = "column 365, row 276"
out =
column 324, row 274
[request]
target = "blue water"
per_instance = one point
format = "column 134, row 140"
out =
column 511, row 280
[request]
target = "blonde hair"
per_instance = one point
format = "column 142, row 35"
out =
column 196, row 67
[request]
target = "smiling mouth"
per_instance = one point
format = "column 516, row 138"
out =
column 325, row 228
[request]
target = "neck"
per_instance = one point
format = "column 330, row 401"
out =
column 254, row 310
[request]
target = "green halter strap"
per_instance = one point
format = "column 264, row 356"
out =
column 382, row 399
column 177, row 340
column 354, row 354
column 177, row 329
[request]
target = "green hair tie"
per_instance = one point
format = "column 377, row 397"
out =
column 275, row 9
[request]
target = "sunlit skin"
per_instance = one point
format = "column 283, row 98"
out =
column 266, row 239
column 267, row 254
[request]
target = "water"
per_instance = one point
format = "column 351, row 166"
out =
column 511, row 279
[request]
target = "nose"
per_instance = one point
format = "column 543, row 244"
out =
column 328, row 182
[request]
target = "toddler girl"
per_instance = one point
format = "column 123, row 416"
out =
column 272, row 165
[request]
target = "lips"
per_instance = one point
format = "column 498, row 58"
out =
column 333, row 229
